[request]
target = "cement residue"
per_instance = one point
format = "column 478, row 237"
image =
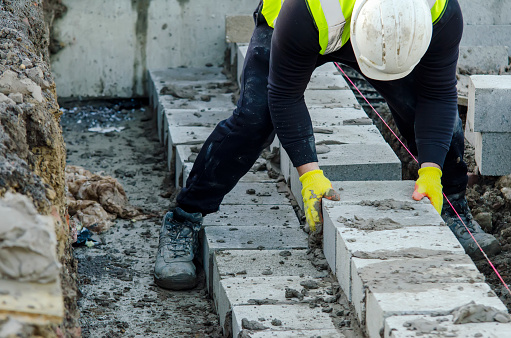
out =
column 389, row 204
column 477, row 313
column 27, row 242
column 370, row 224
column 404, row 253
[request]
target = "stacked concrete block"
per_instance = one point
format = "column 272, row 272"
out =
column 394, row 257
column 349, row 147
column 489, row 123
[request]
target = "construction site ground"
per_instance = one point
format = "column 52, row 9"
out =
column 118, row 297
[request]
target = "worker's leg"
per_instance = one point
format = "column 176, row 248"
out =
column 236, row 143
column 228, row 153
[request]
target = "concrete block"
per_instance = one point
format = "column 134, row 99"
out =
column 413, row 241
column 247, row 215
column 330, row 98
column 482, row 59
column 265, row 236
column 242, row 54
column 356, row 192
column 209, row 102
column 426, row 299
column 487, row 35
column 271, row 290
column 185, row 136
column 324, row 80
column 360, row 162
column 470, row 135
column 327, row 69
column 184, row 156
column 397, row 275
column 285, row 163
column 403, row 327
column 293, row 317
column 296, row 187
column 493, row 153
column 491, row 12
column 257, row 177
column 332, row 333
column 489, row 99
column 196, row 118
column 238, row 28
column 186, row 172
column 338, row 135
column 255, row 194
column 329, row 117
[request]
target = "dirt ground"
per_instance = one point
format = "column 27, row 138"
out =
column 488, row 204
column 118, row 297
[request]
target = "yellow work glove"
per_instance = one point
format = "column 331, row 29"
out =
column 316, row 186
column 429, row 185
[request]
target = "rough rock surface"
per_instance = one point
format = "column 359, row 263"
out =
column 32, row 153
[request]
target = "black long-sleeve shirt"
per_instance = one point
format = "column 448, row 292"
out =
column 295, row 54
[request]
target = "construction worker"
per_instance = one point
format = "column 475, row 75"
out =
column 407, row 49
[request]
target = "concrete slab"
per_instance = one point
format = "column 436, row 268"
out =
column 195, row 117
column 489, row 99
column 322, row 80
column 293, row 317
column 406, row 274
column 493, row 153
column 255, row 194
column 238, row 28
column 330, row 98
column 270, row 290
column 406, row 327
column 487, row 35
column 247, row 215
column 360, row 162
column 482, row 59
column 433, row 299
column 332, row 333
column 490, row 12
column 338, row 117
column 338, row 135
column 261, row 237
column 413, row 241
column 241, row 55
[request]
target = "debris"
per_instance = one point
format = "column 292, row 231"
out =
column 477, row 313
column 310, row 284
column 292, row 293
column 252, row 325
column 84, row 238
column 276, row 322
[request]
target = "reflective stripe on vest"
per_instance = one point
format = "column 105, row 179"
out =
column 333, row 17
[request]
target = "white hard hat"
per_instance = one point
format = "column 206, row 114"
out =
column 389, row 37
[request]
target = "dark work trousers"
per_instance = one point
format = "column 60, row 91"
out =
column 236, row 143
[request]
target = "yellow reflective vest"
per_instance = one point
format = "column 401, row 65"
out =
column 333, row 17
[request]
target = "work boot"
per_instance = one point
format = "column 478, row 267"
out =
column 179, row 241
column 488, row 242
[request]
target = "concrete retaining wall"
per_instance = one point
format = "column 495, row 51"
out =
column 107, row 45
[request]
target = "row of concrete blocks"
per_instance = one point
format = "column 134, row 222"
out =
column 241, row 244
column 399, row 264
column 488, row 125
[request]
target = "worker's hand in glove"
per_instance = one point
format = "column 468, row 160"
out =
column 316, row 186
column 429, row 185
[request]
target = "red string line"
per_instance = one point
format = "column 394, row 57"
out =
column 409, row 152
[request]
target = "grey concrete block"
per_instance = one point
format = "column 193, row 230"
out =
column 490, row 12
column 248, row 215
column 184, row 156
column 330, row 117
column 327, row 80
column 265, row 236
column 255, row 194
column 195, row 117
column 402, row 275
column 482, row 59
column 493, row 153
column 238, row 28
column 239, row 291
column 293, row 317
column 360, row 162
column 285, row 163
column 396, row 327
column 241, row 53
column 426, row 299
column 489, row 99
column 339, row 135
column 330, row 98
column 470, row 134
column 296, row 187
column 487, row 35
column 209, row 102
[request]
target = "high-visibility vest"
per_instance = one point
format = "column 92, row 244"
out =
column 333, row 17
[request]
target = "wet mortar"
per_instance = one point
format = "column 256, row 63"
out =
column 118, row 297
